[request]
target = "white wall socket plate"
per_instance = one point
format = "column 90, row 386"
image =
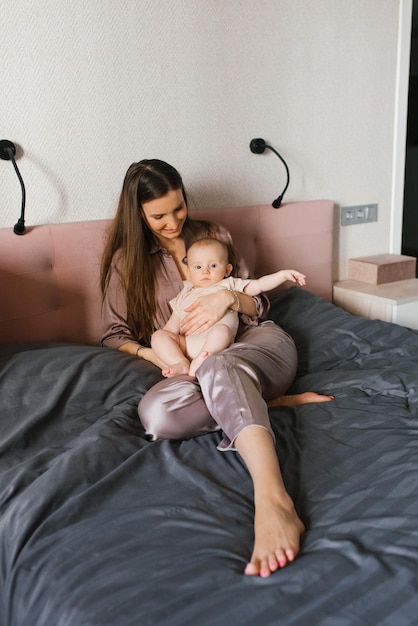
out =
column 358, row 214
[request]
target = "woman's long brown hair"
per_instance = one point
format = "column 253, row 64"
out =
column 131, row 237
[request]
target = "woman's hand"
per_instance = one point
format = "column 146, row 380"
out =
column 147, row 354
column 206, row 311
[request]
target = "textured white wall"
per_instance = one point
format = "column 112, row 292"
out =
column 89, row 86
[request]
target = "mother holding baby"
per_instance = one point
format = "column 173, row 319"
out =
column 142, row 271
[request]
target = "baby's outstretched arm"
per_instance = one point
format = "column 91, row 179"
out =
column 270, row 281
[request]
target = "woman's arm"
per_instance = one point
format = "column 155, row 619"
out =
column 247, row 306
column 117, row 333
column 148, row 354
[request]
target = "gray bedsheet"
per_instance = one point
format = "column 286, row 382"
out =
column 98, row 526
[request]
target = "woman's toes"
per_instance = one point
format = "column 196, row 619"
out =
column 273, row 563
column 251, row 569
column 264, row 569
column 290, row 555
column 281, row 558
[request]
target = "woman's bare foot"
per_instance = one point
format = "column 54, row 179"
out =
column 299, row 398
column 182, row 367
column 197, row 362
column 277, row 529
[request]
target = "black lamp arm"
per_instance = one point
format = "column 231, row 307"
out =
column 19, row 227
column 7, row 152
column 278, row 200
column 257, row 146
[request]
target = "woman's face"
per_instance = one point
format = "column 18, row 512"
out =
column 166, row 215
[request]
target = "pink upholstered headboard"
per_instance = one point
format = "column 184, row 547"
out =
column 49, row 276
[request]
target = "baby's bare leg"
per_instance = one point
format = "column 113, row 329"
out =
column 197, row 362
column 171, row 349
column 217, row 339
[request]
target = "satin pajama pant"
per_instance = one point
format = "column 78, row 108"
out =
column 230, row 390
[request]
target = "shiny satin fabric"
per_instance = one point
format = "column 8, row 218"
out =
column 229, row 392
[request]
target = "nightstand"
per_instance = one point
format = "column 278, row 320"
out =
column 391, row 302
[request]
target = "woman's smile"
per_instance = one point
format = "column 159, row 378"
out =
column 166, row 216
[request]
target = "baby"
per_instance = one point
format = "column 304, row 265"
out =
column 208, row 270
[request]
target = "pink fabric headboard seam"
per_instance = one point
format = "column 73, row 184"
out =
column 49, row 276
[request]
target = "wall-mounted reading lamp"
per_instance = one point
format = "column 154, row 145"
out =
column 257, row 146
column 7, row 153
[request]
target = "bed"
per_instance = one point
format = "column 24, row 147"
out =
column 99, row 526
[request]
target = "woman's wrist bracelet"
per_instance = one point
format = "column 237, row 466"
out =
column 235, row 306
column 138, row 349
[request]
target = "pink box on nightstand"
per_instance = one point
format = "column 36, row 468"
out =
column 382, row 268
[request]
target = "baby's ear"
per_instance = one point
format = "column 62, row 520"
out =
column 228, row 270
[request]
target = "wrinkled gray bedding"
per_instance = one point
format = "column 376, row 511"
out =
column 98, row 526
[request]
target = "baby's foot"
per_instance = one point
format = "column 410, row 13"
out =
column 197, row 362
column 182, row 367
column 277, row 529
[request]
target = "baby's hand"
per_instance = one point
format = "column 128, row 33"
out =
column 294, row 276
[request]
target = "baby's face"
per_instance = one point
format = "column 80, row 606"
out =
column 207, row 265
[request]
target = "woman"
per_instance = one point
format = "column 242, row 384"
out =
column 142, row 270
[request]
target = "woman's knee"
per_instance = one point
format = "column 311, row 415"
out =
column 174, row 409
column 266, row 360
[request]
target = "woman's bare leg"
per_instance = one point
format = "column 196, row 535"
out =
column 277, row 527
column 299, row 398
